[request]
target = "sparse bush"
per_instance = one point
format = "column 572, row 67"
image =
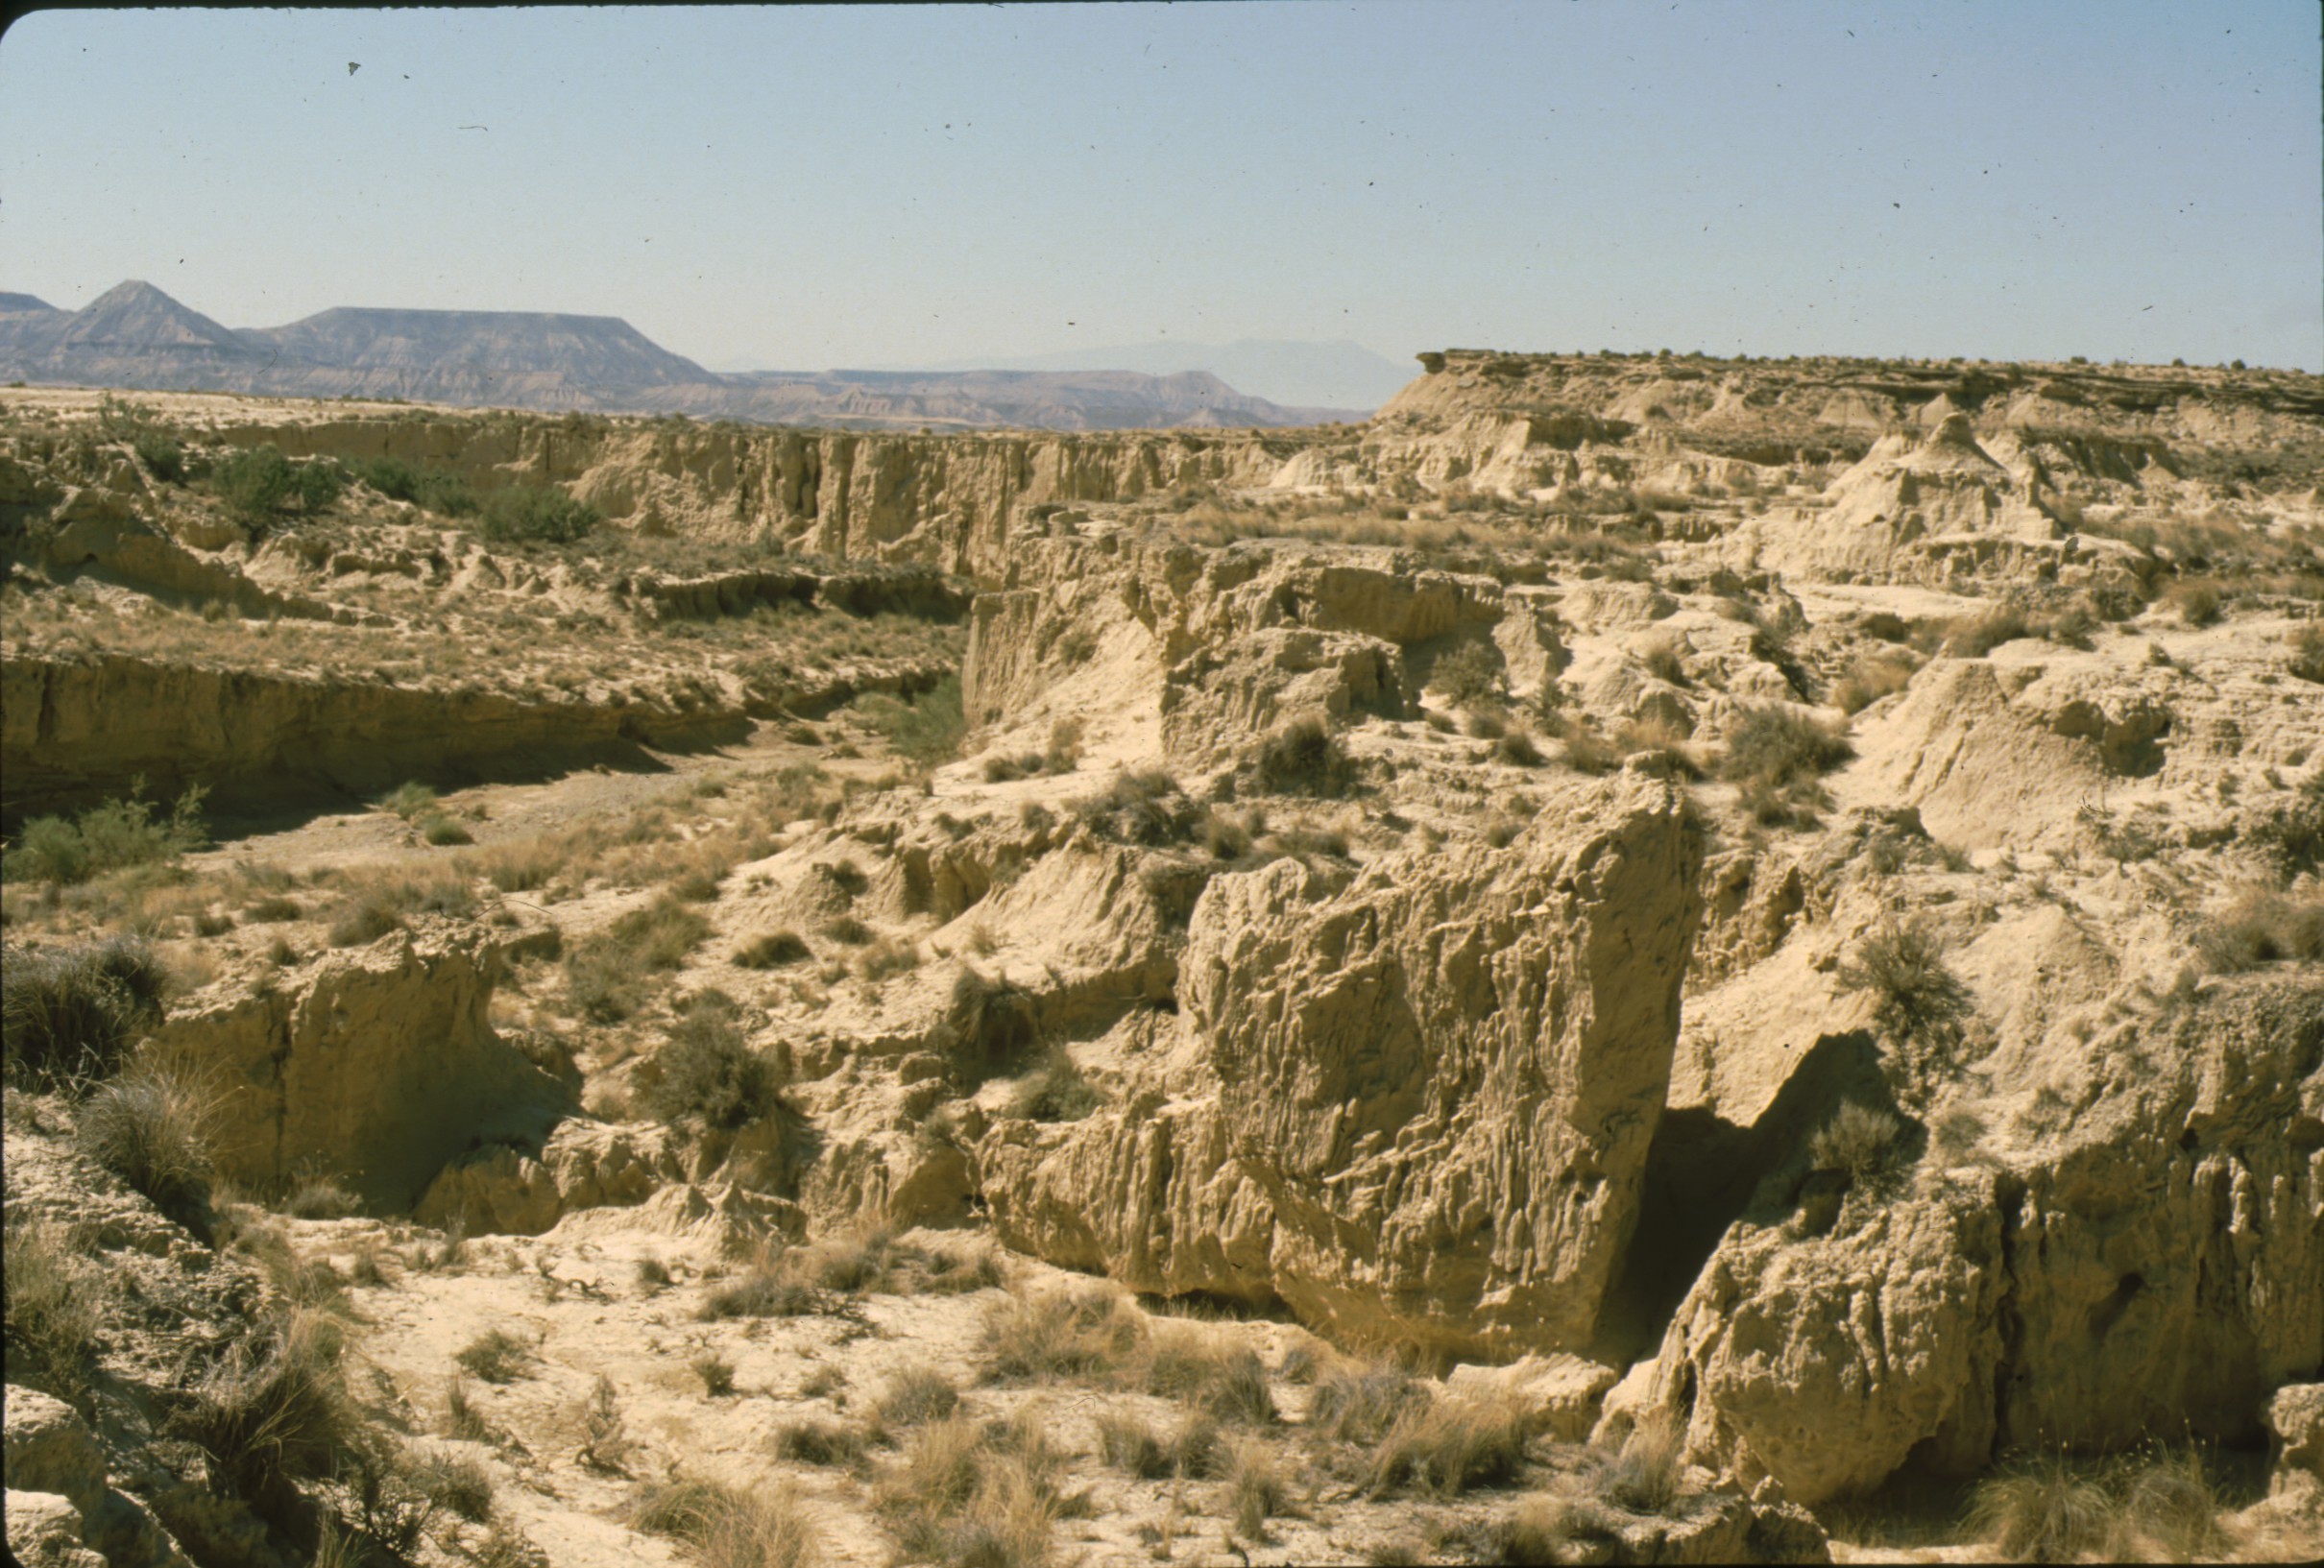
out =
column 605, row 1440
column 1543, row 1530
column 1256, row 1488
column 454, row 1481
column 1305, row 757
column 111, row 835
column 709, row 1073
column 68, row 1014
column 765, row 1292
column 153, row 1127
column 2307, row 660
column 991, row 1022
column 1914, row 993
column 1663, row 662
column 1516, row 748
column 885, row 957
column 2290, row 837
column 364, row 921
column 1219, row 1378
column 536, row 515
column 1779, row 746
column 496, row 1356
column 1976, row 637
column 2196, row 599
column 1361, row 1403
column 1468, row 675
column 1869, row 679
column 1056, row 1090
column 1857, row 1140
column 2263, row 927
column 847, row 930
column 1644, row 1476
column 717, row 1372
column 1141, row 808
column 772, row 951
column 442, row 832
column 662, row 933
column 258, row 484
column 819, row 1443
column 926, row 731
column 411, row 800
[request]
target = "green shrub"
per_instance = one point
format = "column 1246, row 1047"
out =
column 1056, row 1090
column 433, row 490
column 536, row 515
column 1305, row 757
column 708, row 1072
column 258, row 484
column 2307, row 660
column 927, row 730
column 772, row 951
column 67, row 1014
column 110, row 835
column 1780, row 746
column 1468, row 675
column 161, row 454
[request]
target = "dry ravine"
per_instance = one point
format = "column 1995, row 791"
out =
column 1642, row 959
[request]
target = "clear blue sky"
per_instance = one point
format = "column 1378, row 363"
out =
column 800, row 187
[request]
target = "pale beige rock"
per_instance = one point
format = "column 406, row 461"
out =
column 1415, row 1107
column 45, row 1532
column 378, row 1067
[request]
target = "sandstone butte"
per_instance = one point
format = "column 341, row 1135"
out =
column 1641, row 959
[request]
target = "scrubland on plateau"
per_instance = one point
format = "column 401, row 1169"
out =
column 1642, row 959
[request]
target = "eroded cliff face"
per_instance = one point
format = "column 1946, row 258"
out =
column 79, row 729
column 1414, row 1108
column 375, row 1067
column 948, row 500
column 2158, row 1248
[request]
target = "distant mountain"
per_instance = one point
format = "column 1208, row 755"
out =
column 1339, row 375
column 135, row 336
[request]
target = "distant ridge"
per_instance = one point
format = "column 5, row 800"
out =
column 136, row 336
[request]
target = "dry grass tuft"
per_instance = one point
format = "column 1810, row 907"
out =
column 52, row 1305
column 154, row 1128
column 1644, row 1476
column 1452, row 1446
column 495, row 1356
column 730, row 1526
column 1086, row 1334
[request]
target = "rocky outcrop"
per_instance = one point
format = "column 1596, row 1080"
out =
column 79, row 728
column 583, row 1165
column 377, row 1068
column 1415, row 1107
column 2148, row 1260
column 54, row 1458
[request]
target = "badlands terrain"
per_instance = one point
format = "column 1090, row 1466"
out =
column 1642, row 959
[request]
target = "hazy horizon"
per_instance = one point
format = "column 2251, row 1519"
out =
column 818, row 188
